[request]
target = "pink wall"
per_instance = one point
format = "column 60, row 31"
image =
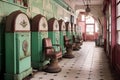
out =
column 83, row 30
column 90, row 37
column 82, row 25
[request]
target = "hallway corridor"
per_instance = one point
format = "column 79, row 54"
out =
column 90, row 63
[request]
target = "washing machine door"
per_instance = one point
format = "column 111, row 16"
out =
column 23, row 53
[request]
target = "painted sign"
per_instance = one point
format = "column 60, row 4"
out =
column 55, row 25
column 22, row 23
column 43, row 24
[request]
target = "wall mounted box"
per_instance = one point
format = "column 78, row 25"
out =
column 18, row 46
column 53, row 32
column 62, row 34
column 39, row 32
column 69, row 30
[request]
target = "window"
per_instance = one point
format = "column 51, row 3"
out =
column 117, row 1
column 90, row 29
column 118, row 20
column 89, row 20
column 90, row 23
column 82, row 17
column 96, row 27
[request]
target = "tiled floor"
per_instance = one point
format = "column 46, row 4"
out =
column 90, row 63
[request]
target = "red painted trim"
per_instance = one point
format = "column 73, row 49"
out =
column 117, row 58
column 113, row 29
column 105, row 5
column 105, row 33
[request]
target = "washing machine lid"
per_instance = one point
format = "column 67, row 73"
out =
column 39, row 23
column 17, row 22
column 53, row 25
column 62, row 25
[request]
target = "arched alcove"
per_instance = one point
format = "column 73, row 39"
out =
column 81, row 22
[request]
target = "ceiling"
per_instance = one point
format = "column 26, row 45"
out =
column 91, row 2
column 74, row 3
column 96, row 6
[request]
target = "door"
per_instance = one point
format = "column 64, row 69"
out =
column 23, row 52
column 90, row 30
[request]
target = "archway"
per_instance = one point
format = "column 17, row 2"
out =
column 84, row 24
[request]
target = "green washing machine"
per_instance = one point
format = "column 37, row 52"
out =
column 62, row 34
column 0, row 63
column 39, row 32
column 74, row 33
column 53, row 32
column 17, row 46
column 73, row 29
column 76, row 43
column 69, row 31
